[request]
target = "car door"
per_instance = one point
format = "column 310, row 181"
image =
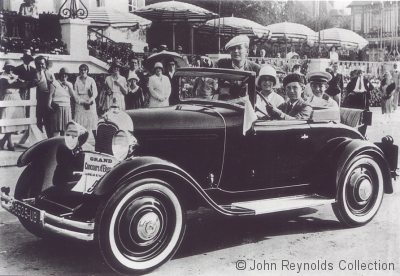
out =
column 282, row 151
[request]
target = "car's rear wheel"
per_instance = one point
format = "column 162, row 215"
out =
column 29, row 186
column 140, row 226
column 360, row 191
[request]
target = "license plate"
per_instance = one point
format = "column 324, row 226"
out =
column 25, row 212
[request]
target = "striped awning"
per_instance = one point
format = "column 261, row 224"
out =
column 342, row 37
column 175, row 11
column 294, row 31
column 109, row 17
column 232, row 26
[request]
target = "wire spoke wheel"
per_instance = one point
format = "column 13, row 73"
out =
column 141, row 226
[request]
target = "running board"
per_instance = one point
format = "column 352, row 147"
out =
column 273, row 205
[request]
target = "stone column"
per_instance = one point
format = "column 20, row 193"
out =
column 75, row 35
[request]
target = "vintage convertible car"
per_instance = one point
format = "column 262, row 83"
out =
column 130, row 192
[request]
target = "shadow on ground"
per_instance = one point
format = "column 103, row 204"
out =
column 206, row 232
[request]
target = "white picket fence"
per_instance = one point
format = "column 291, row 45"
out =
column 33, row 135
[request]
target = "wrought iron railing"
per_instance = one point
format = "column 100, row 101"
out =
column 108, row 50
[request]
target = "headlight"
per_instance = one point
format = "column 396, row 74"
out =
column 75, row 136
column 123, row 144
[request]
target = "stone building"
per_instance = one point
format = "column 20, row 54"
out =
column 378, row 22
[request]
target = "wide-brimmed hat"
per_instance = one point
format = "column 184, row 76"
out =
column 158, row 65
column 8, row 64
column 267, row 70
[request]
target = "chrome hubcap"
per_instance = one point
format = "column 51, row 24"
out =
column 148, row 226
column 365, row 189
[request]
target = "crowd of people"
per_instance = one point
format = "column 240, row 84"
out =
column 306, row 51
column 62, row 96
column 59, row 100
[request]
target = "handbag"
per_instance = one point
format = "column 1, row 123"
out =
column 54, row 106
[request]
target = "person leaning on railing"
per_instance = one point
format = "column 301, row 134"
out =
column 9, row 91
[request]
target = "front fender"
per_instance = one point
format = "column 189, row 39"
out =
column 44, row 150
column 152, row 167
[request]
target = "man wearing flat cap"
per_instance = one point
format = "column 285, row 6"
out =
column 319, row 83
column 238, row 47
column 295, row 107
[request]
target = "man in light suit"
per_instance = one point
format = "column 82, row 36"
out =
column 359, row 89
column 295, row 108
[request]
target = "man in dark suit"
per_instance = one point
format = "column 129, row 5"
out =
column 171, row 68
column 335, row 85
column 359, row 91
column 295, row 107
column 26, row 73
column 238, row 47
column 43, row 80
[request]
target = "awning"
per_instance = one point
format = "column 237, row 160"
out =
column 109, row 17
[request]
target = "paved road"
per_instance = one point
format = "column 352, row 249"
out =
column 309, row 241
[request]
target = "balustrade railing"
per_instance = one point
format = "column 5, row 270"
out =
column 108, row 50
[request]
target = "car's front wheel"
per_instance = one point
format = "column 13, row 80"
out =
column 360, row 191
column 140, row 226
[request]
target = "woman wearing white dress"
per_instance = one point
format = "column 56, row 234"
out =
column 159, row 87
column 85, row 106
column 117, row 88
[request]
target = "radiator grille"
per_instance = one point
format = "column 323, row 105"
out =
column 105, row 133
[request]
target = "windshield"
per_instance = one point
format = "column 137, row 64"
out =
column 210, row 88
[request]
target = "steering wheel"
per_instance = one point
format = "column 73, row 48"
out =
column 266, row 115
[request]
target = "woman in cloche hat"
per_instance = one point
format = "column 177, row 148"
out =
column 9, row 91
column 159, row 87
column 117, row 86
column 267, row 81
column 61, row 92
column 135, row 98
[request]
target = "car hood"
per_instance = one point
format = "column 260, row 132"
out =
column 184, row 117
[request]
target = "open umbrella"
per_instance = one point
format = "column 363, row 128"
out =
column 104, row 17
column 175, row 12
column 291, row 31
column 164, row 57
column 232, row 26
column 342, row 37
